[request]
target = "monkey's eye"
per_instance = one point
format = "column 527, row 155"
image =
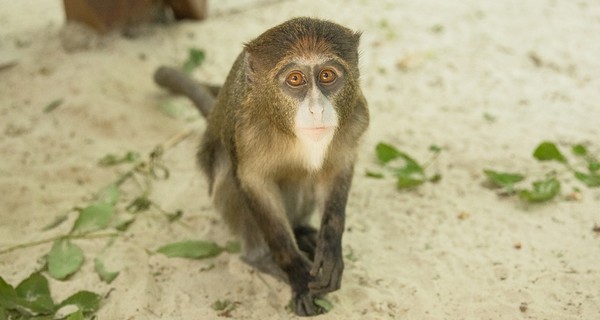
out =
column 327, row 76
column 295, row 79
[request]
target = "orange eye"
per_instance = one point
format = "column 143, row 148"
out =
column 327, row 76
column 295, row 79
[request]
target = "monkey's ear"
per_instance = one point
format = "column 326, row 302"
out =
column 250, row 66
column 356, row 39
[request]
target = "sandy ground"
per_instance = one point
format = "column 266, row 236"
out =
column 434, row 72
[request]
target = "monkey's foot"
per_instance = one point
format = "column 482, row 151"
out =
column 265, row 264
column 306, row 238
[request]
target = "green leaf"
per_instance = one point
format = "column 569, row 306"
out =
column 131, row 156
column 222, row 305
column 112, row 159
column 436, row 178
column 434, row 148
column 579, row 150
column 542, row 191
column 590, row 180
column 8, row 295
column 233, row 247
column 503, row 179
column 192, row 249
column 174, row 216
column 77, row 315
column 195, row 59
column 109, row 195
column 94, row 217
column 489, row 117
column 53, row 105
column 106, row 276
column 411, row 167
column 325, row 304
column 41, row 317
column 374, row 175
column 35, row 291
column 547, row 151
column 123, row 223
column 109, row 160
column 411, row 175
column 386, row 153
column 593, row 166
column 64, row 259
column 410, row 180
column 139, row 204
column 86, row 301
column 351, row 256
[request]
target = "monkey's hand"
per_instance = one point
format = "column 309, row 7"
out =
column 304, row 305
column 327, row 268
column 302, row 298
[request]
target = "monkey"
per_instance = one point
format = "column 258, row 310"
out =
column 281, row 143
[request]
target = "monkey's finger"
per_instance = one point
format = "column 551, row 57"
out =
column 317, row 263
column 329, row 280
column 304, row 305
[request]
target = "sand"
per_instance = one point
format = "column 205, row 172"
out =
column 486, row 81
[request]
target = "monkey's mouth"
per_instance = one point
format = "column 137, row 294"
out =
column 314, row 133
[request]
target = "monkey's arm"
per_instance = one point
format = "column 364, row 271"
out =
column 328, row 265
column 263, row 199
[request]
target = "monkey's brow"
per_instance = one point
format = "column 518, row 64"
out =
column 313, row 59
column 336, row 65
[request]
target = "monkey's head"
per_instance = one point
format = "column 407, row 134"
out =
column 303, row 75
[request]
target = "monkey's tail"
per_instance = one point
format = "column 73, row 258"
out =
column 202, row 95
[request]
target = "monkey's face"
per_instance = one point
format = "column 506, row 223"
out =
column 310, row 85
column 302, row 80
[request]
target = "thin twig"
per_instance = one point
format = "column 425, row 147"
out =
column 52, row 239
column 431, row 159
column 176, row 139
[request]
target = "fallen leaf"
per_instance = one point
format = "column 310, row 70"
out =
column 542, row 191
column 548, row 151
column 192, row 249
column 64, row 259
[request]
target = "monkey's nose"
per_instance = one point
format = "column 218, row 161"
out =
column 316, row 110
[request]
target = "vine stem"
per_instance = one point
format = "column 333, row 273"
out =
column 431, row 160
column 176, row 139
column 158, row 150
column 52, row 239
column 166, row 145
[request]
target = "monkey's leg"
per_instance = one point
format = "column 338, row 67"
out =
column 268, row 209
column 328, row 264
column 229, row 200
column 256, row 253
column 300, row 203
column 306, row 238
